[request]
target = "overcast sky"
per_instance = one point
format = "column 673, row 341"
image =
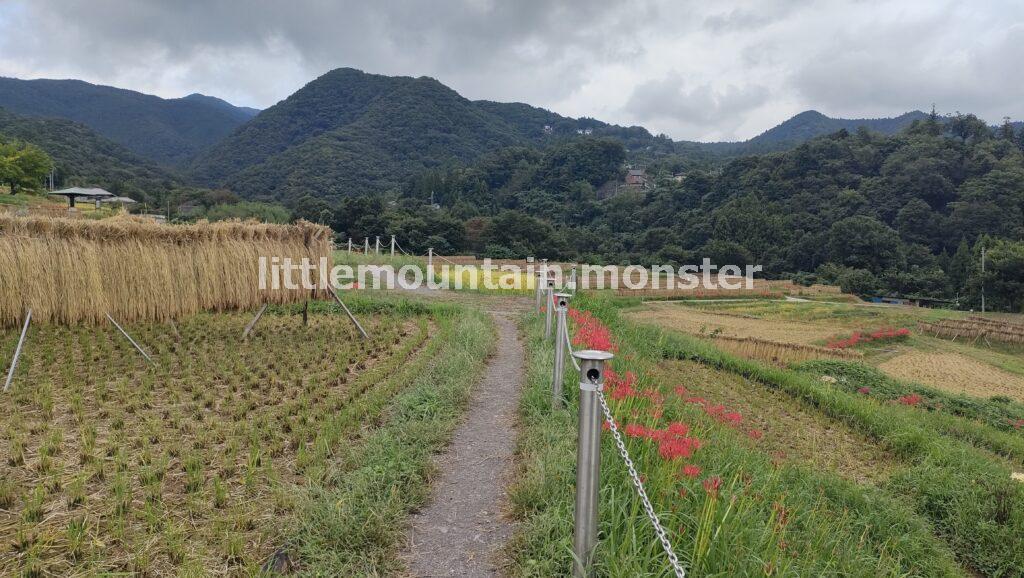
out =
column 695, row 70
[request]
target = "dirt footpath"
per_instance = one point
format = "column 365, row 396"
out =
column 461, row 531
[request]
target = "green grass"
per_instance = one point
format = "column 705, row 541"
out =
column 969, row 497
column 353, row 523
column 769, row 518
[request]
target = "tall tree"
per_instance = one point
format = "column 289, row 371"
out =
column 23, row 165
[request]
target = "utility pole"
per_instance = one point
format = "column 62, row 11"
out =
column 982, row 279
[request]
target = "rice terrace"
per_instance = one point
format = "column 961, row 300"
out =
column 451, row 324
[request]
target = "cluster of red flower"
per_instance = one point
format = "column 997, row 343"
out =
column 911, row 399
column 719, row 412
column 886, row 334
column 1017, row 424
column 674, row 441
column 591, row 333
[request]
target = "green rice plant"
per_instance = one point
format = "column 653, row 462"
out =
column 77, row 535
column 121, row 495
column 75, row 493
column 16, row 456
column 32, row 505
column 220, row 493
column 194, row 477
column 8, row 493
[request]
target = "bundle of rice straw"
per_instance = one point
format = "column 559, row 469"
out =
column 76, row 271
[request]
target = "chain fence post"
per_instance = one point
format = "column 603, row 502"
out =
column 548, row 306
column 588, row 458
column 557, row 378
column 538, row 289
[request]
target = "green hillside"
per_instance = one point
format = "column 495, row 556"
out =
column 166, row 131
column 82, row 157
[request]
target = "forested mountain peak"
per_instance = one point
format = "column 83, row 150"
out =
column 167, row 131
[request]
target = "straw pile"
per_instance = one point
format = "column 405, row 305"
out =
column 73, row 271
column 779, row 353
column 975, row 328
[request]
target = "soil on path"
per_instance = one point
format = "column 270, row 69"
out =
column 461, row 531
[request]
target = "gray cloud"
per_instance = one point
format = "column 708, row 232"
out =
column 704, row 109
column 692, row 69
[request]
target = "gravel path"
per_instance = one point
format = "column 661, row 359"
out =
column 463, row 528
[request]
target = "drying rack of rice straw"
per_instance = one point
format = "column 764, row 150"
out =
column 130, row 269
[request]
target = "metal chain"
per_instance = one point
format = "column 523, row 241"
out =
column 639, row 485
column 568, row 344
column 633, row 475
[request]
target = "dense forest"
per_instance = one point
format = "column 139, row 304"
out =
column 906, row 214
column 164, row 131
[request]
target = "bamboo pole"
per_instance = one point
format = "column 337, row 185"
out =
column 349, row 313
column 130, row 340
column 248, row 328
column 17, row 351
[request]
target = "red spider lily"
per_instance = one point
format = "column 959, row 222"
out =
column 635, row 430
column 857, row 337
column 864, row 390
column 656, row 412
column 680, row 391
column 712, row 484
column 675, row 448
column 696, row 400
column 913, row 399
column 755, row 434
column 678, row 429
column 691, row 471
column 1017, row 424
column 732, row 418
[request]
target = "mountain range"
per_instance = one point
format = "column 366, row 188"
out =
column 166, row 131
column 346, row 132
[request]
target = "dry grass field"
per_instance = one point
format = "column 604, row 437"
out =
column 971, row 366
column 955, row 373
column 696, row 321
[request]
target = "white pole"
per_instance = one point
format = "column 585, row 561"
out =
column 17, row 351
column 366, row 245
column 392, row 245
column 377, row 248
column 350, row 244
column 130, row 340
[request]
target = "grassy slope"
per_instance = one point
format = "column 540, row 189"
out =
column 353, row 523
column 834, row 525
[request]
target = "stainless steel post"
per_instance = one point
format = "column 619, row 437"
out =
column 538, row 289
column 588, row 459
column 550, row 297
column 561, row 306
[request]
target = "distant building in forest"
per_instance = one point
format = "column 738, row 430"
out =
column 636, row 178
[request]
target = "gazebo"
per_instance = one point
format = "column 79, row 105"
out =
column 76, row 192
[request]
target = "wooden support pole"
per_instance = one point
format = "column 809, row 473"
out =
column 248, row 328
column 17, row 351
column 130, row 340
column 355, row 321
